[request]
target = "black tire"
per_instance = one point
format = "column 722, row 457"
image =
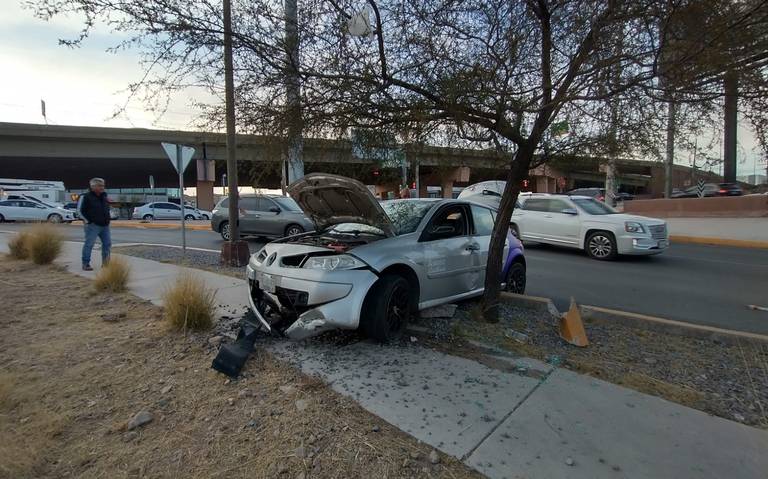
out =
column 148, row 217
column 387, row 308
column 189, row 217
column 2, row 219
column 515, row 230
column 601, row 245
column 224, row 230
column 515, row 280
column 293, row 230
column 206, row 217
column 55, row 218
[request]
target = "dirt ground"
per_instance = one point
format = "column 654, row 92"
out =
column 726, row 380
column 75, row 366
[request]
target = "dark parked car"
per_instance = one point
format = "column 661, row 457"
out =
column 271, row 216
column 710, row 189
column 596, row 193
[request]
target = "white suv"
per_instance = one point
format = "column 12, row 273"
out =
column 585, row 223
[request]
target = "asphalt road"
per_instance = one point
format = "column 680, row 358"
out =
column 708, row 285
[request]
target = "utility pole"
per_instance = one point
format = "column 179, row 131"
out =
column 235, row 251
column 293, row 93
column 670, row 158
column 731, row 87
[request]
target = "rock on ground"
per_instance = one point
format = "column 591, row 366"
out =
column 140, row 419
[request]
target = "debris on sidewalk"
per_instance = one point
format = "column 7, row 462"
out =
column 516, row 335
column 572, row 327
column 443, row 311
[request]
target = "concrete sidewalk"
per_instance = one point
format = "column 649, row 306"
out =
column 528, row 420
column 742, row 232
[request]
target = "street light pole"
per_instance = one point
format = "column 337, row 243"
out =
column 234, row 252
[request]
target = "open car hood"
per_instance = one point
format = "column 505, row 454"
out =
column 330, row 200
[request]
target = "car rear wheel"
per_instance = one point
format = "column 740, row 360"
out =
column 293, row 230
column 515, row 279
column 148, row 217
column 601, row 245
column 224, row 230
column 387, row 308
column 55, row 218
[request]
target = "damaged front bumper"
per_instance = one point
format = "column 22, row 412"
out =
column 302, row 302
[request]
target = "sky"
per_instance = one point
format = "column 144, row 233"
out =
column 86, row 85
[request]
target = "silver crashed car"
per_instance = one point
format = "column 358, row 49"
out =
column 369, row 265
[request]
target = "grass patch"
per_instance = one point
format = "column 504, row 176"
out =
column 44, row 244
column 189, row 304
column 19, row 245
column 114, row 276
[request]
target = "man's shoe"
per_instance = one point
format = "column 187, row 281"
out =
column 87, row 267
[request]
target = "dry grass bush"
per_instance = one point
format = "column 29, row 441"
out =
column 189, row 304
column 114, row 276
column 44, row 244
column 19, row 245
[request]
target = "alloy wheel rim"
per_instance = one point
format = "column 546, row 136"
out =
column 600, row 246
column 225, row 231
column 397, row 309
column 293, row 231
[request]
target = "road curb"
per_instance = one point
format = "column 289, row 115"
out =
column 127, row 224
column 652, row 323
column 719, row 241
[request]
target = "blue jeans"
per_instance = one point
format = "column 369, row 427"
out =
column 93, row 231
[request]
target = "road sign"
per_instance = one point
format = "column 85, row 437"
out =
column 700, row 188
column 174, row 151
column 180, row 157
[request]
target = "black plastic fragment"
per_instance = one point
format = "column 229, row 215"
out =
column 232, row 357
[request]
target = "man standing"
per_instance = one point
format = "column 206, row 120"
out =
column 94, row 210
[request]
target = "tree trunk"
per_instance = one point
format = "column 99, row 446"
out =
column 517, row 172
column 293, row 94
column 670, row 158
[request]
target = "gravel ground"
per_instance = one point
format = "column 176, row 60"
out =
column 194, row 259
column 730, row 381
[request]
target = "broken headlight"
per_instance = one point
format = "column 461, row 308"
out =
column 334, row 262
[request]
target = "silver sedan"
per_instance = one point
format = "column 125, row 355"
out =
column 370, row 265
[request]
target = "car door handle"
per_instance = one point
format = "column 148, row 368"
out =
column 472, row 247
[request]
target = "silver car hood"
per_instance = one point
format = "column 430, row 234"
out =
column 329, row 200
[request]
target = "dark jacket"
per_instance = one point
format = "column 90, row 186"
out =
column 95, row 208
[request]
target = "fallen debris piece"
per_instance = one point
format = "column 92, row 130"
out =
column 302, row 404
column 569, row 461
column 755, row 307
column 442, row 311
column 232, row 357
column 140, row 419
column 572, row 327
column 215, row 341
column 434, row 458
column 516, row 335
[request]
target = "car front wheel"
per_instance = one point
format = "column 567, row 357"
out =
column 224, row 229
column 387, row 308
column 55, row 218
column 293, row 230
column 515, row 280
column 601, row 245
column 206, row 217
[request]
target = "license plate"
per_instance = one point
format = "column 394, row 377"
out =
column 266, row 282
column 663, row 243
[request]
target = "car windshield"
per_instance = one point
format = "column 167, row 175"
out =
column 405, row 216
column 287, row 204
column 594, row 207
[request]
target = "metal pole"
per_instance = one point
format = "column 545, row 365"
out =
column 670, row 159
column 731, row 85
column 229, row 87
column 180, row 168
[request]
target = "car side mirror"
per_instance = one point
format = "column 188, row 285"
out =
column 570, row 211
column 442, row 231
column 275, row 209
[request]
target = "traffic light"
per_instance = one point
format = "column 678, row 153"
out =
column 525, row 183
